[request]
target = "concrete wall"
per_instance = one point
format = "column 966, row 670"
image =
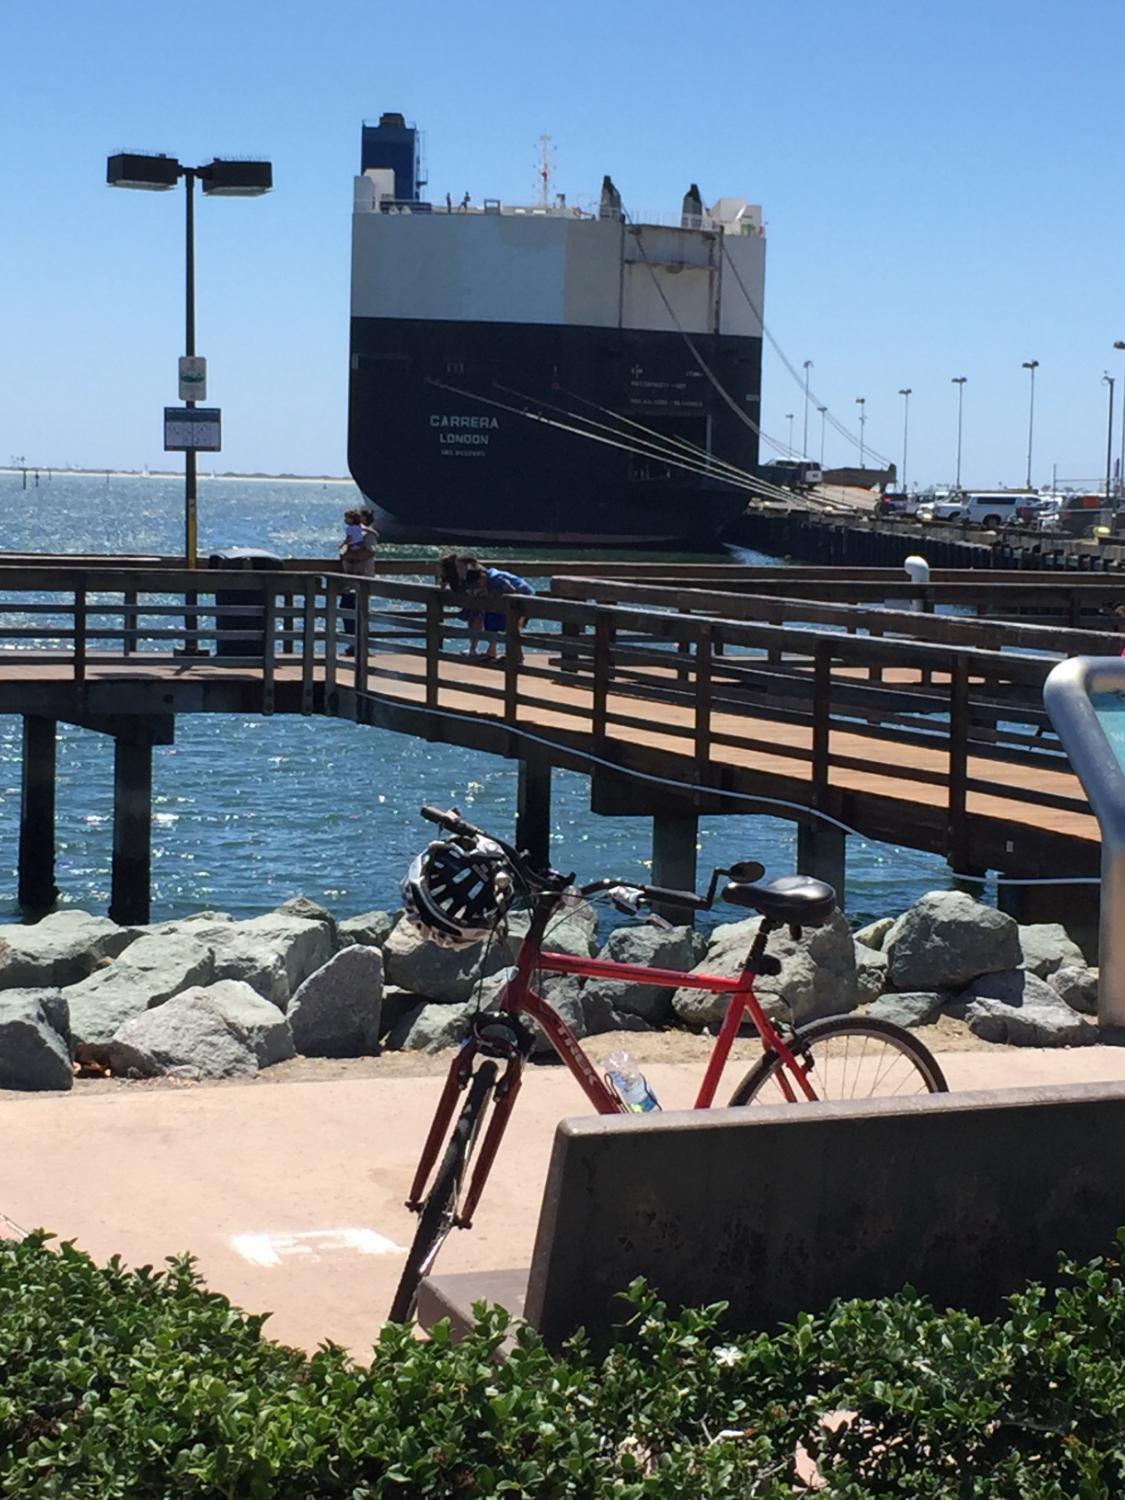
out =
column 780, row 1210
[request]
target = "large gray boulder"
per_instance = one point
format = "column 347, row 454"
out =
column 430, row 1028
column 1018, row 1007
column 34, row 1047
column 274, row 953
column 150, row 971
column 818, row 973
column 61, row 949
column 370, row 929
column 186, row 1037
column 653, row 947
column 1047, row 946
column 1078, row 987
column 258, row 1020
column 412, row 962
column 946, row 940
column 336, row 1012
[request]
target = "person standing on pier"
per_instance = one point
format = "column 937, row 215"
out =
column 357, row 557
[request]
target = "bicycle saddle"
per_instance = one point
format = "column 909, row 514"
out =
column 797, row 899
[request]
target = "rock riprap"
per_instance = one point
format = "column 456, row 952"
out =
column 336, row 1012
column 1016, row 1006
column 1046, row 947
column 274, row 953
column 946, row 940
column 62, row 949
column 260, row 1021
column 1078, row 987
column 150, row 971
column 186, row 1037
column 34, row 1042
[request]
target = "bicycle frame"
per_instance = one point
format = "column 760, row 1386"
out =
column 518, row 997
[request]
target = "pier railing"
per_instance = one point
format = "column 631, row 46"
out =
column 932, row 718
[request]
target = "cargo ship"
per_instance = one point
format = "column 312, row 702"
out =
column 549, row 373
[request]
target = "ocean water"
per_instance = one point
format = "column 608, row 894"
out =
column 251, row 811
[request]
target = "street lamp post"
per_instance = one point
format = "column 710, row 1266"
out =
column 959, row 382
column 905, row 392
column 823, row 410
column 1109, row 380
column 789, row 418
column 1120, row 344
column 805, row 437
column 219, row 178
column 861, row 402
column 1031, row 365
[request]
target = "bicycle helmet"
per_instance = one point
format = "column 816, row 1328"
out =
column 455, row 894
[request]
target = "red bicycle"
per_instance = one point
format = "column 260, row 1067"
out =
column 460, row 890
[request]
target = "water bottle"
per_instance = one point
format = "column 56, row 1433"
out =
column 629, row 1084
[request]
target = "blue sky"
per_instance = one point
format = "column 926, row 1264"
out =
column 941, row 185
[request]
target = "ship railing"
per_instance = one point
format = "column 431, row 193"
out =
column 712, row 682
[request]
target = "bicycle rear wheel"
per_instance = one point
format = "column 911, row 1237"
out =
column 436, row 1217
column 846, row 1057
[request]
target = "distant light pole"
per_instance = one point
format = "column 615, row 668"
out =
column 1120, row 344
column 959, row 382
column 906, row 392
column 823, row 410
column 861, row 402
column 1031, row 365
column 789, row 418
column 1109, row 380
column 225, row 179
column 805, row 438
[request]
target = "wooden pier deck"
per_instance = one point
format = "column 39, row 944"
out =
column 920, row 729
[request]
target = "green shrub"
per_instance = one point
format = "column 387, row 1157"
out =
column 139, row 1384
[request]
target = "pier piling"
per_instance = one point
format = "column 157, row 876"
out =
column 822, row 853
column 674, row 840
column 37, row 891
column 533, row 811
column 130, row 890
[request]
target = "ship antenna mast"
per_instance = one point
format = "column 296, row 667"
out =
column 545, row 168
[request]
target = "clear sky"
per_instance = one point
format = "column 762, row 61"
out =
column 941, row 182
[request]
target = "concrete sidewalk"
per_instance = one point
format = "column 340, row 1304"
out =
column 291, row 1195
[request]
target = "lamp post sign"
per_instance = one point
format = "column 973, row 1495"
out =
column 193, row 378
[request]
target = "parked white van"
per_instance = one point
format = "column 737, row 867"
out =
column 993, row 508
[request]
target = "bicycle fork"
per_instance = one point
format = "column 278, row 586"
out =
column 507, row 1087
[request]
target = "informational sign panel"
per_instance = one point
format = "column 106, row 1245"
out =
column 193, row 378
column 192, row 427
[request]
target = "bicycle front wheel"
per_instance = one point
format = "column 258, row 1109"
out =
column 846, row 1057
column 436, row 1218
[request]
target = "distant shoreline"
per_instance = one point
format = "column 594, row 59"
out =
column 173, row 474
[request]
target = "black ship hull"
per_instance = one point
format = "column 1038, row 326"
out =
column 490, row 432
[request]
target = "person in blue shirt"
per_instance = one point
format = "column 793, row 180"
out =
column 490, row 583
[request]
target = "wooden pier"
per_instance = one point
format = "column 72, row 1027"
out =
column 861, row 708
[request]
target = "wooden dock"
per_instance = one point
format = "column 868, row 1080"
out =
column 858, row 709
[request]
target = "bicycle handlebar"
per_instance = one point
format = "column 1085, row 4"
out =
column 551, row 880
